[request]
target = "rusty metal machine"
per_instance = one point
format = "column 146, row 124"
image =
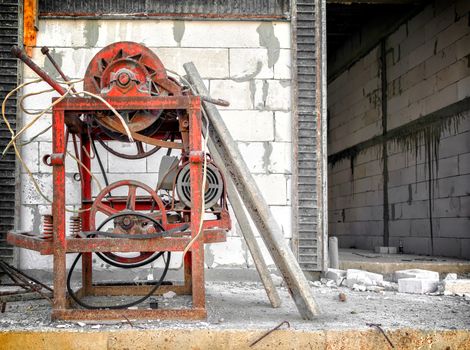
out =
column 128, row 223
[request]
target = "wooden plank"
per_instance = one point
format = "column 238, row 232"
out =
column 248, row 234
column 256, row 204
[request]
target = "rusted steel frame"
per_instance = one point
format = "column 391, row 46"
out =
column 82, row 104
column 58, row 210
column 86, row 196
column 257, row 207
column 30, row 25
column 168, row 314
column 26, row 277
column 196, row 171
column 17, row 52
column 30, row 242
column 81, row 244
column 104, row 290
column 145, row 15
column 76, row 245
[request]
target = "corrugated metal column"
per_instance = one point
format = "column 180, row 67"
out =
column 307, row 196
column 9, row 35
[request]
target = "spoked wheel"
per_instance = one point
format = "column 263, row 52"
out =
column 129, row 221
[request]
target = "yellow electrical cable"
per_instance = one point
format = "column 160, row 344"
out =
column 87, row 170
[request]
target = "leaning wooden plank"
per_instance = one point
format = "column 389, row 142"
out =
column 247, row 231
column 257, row 207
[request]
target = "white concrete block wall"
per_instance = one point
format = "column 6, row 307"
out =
column 428, row 69
column 247, row 63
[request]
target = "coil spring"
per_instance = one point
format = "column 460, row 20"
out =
column 47, row 226
column 75, row 225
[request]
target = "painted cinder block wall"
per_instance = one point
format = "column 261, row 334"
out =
column 428, row 69
column 247, row 63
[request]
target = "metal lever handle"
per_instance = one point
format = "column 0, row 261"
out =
column 20, row 54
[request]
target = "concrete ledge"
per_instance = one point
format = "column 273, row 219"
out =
column 389, row 263
column 171, row 338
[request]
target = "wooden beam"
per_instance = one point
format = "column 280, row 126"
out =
column 256, row 204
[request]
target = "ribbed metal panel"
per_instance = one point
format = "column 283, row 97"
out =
column 237, row 8
column 9, row 23
column 306, row 198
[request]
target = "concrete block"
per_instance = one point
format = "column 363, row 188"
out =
column 222, row 34
column 230, row 253
column 279, row 156
column 283, row 216
column 30, row 155
column 464, row 163
column 250, row 125
column 458, row 286
column 282, row 68
column 463, row 88
column 416, row 273
column 335, row 274
column 417, row 285
column 450, row 277
column 273, row 187
column 248, row 64
column 61, row 33
column 239, row 94
column 362, row 277
column 40, row 125
column 282, row 126
column 256, row 155
column 212, row 63
column 273, row 95
column 119, row 165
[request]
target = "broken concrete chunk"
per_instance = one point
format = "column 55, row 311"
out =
column 389, row 286
column 277, row 280
column 416, row 273
column 335, row 274
column 359, row 287
column 459, row 287
column 417, row 285
column 169, row 295
column 362, row 277
column 451, row 277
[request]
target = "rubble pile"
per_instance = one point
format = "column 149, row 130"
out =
column 411, row 281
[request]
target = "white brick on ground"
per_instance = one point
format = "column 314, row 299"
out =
column 458, row 286
column 417, row 285
column 416, row 273
column 354, row 276
column 336, row 275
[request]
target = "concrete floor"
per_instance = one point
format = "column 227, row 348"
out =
column 243, row 308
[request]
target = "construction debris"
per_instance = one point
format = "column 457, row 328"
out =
column 363, row 278
column 416, row 273
column 457, row 287
column 417, row 285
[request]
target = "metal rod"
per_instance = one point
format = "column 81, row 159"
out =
column 256, row 205
column 379, row 327
column 45, row 51
column 269, row 332
column 17, row 52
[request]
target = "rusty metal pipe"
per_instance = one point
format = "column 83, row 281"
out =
column 20, row 54
column 45, row 51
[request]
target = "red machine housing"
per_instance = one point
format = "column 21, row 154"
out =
column 161, row 113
